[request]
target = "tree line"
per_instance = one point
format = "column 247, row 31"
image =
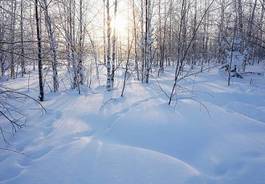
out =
column 78, row 37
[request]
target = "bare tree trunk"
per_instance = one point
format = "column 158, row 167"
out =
column 142, row 41
column 129, row 46
column 205, row 39
column 232, row 53
column 261, row 22
column 23, row 70
column 104, row 32
column 135, row 42
column 170, row 49
column 240, row 24
column 194, row 45
column 41, row 97
column 72, row 41
column 81, row 45
column 249, row 36
column 13, row 24
column 108, row 47
column 53, row 46
column 160, row 39
column 32, row 28
column 2, row 56
column 221, row 34
column 114, row 44
column 164, row 56
column 148, row 40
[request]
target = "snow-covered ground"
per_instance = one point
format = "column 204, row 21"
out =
column 213, row 134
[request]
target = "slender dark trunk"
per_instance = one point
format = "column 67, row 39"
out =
column 23, row 70
column 41, row 97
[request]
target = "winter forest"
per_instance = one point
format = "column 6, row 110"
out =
column 132, row 91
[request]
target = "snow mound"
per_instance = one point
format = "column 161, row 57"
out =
column 89, row 160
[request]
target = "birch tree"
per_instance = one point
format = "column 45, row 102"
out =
column 108, row 46
column 41, row 88
column 22, row 62
column 53, row 45
column 114, row 44
column 12, row 39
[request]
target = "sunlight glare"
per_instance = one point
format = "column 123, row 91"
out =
column 121, row 25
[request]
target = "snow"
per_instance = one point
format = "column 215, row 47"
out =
column 213, row 134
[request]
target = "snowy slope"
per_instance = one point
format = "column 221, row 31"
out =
column 213, row 134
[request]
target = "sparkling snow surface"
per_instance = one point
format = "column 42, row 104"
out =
column 214, row 134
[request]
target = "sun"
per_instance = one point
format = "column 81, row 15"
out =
column 121, row 25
